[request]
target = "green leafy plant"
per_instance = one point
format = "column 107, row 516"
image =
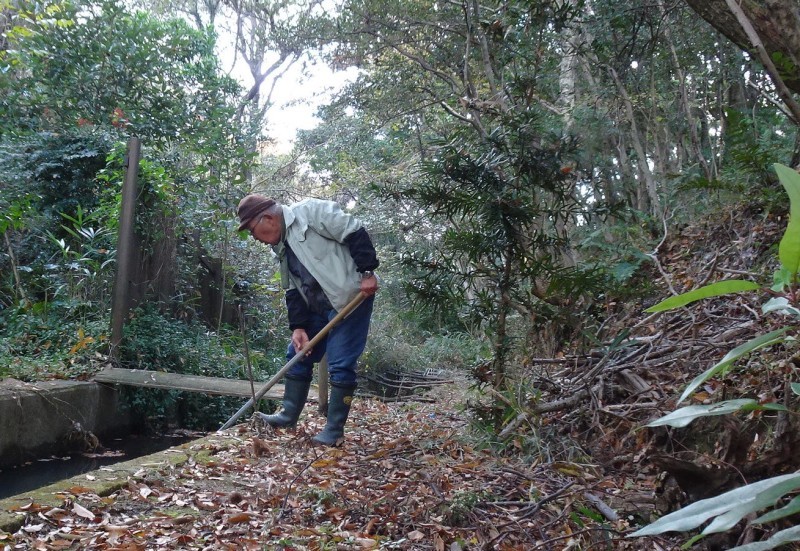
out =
column 152, row 341
column 731, row 507
column 784, row 290
column 50, row 340
column 728, row 509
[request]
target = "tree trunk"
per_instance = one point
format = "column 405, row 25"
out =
column 776, row 22
column 686, row 106
column 642, row 161
column 501, row 338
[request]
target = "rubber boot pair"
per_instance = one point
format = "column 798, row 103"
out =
column 295, row 395
column 338, row 410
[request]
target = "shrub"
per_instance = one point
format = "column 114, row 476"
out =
column 155, row 342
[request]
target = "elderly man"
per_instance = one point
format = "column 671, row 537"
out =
column 326, row 258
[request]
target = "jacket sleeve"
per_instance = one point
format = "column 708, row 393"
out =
column 362, row 250
column 297, row 310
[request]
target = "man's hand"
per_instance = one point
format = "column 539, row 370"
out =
column 369, row 285
column 299, row 340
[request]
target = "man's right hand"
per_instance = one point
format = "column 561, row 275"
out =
column 299, row 340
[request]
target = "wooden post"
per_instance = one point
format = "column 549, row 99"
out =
column 125, row 246
column 322, row 385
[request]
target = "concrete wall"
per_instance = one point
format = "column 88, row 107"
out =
column 37, row 419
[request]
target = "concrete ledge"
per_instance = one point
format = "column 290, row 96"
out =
column 38, row 418
column 102, row 482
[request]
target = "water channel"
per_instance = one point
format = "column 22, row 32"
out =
column 42, row 472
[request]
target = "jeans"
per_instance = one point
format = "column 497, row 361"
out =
column 344, row 344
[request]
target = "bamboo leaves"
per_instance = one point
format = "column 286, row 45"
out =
column 713, row 290
column 761, row 341
column 728, row 508
column 683, row 416
column 789, row 248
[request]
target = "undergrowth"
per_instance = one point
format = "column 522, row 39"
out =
column 54, row 341
column 154, row 342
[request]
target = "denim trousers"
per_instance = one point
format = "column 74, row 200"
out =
column 344, row 344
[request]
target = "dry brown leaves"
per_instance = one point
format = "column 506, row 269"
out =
column 406, row 478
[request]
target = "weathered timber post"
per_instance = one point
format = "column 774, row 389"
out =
column 125, row 246
column 322, row 385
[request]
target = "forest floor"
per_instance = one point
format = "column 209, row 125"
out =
column 407, row 477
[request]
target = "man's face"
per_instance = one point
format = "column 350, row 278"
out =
column 266, row 229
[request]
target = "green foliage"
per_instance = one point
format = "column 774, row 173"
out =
column 78, row 78
column 713, row 290
column 731, row 507
column 55, row 338
column 683, row 416
column 153, row 342
column 461, row 506
column 762, row 341
column 54, row 173
column 497, row 218
column 726, row 509
column 789, row 248
column 405, row 340
column 62, row 236
column 95, row 64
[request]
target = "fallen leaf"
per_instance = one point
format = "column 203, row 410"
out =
column 82, row 511
column 416, row 535
column 240, row 518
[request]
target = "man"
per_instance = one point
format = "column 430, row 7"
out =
column 326, row 258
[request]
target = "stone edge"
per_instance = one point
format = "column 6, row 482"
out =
column 106, row 480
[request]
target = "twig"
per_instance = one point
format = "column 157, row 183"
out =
column 297, row 476
column 547, row 407
column 663, row 273
column 548, row 544
column 711, row 268
column 534, row 508
column 737, row 272
column 604, row 509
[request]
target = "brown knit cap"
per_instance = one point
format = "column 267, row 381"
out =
column 250, row 207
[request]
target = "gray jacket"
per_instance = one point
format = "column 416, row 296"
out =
column 315, row 231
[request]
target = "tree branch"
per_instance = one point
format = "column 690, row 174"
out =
column 765, row 59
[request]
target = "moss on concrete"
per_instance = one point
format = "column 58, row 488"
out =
column 102, row 482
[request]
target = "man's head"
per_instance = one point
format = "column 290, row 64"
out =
column 262, row 216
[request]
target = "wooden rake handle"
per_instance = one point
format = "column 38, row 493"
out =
column 352, row 305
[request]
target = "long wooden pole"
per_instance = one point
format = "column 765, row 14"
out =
column 121, row 295
column 300, row 355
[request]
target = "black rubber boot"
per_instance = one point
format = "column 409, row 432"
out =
column 294, row 399
column 338, row 410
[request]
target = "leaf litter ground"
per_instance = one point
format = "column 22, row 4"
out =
column 407, row 477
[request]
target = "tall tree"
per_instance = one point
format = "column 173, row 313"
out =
column 265, row 39
column 470, row 89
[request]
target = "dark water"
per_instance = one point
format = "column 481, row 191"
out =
column 42, row 472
